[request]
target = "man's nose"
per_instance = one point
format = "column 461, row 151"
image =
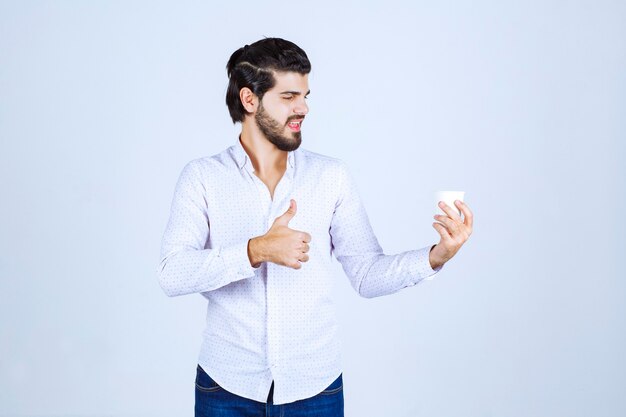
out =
column 301, row 108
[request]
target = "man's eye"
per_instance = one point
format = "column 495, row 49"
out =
column 288, row 98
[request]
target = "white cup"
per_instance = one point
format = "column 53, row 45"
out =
column 448, row 197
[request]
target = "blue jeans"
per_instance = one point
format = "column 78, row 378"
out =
column 214, row 401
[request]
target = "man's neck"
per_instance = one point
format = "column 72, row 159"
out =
column 266, row 158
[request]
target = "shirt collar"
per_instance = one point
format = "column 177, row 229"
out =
column 242, row 158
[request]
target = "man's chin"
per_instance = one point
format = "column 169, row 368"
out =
column 297, row 142
column 288, row 147
column 291, row 144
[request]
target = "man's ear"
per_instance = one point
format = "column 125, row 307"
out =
column 249, row 100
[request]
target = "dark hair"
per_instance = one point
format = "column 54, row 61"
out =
column 252, row 66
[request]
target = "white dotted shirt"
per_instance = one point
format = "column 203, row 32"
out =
column 274, row 322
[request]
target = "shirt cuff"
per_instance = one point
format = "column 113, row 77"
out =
column 236, row 261
column 423, row 264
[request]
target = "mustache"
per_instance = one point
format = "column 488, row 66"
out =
column 290, row 118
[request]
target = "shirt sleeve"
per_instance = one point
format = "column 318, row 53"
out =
column 371, row 272
column 186, row 266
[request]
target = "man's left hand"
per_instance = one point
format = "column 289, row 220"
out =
column 454, row 232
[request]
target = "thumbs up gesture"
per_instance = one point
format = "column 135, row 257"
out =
column 281, row 245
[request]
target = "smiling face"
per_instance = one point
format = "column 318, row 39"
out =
column 282, row 110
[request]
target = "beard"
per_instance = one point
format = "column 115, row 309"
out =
column 274, row 131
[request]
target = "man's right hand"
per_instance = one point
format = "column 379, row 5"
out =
column 280, row 245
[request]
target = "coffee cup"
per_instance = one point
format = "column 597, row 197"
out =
column 448, row 197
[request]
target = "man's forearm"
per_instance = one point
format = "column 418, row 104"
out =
column 186, row 271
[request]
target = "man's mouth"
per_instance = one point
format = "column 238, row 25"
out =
column 295, row 125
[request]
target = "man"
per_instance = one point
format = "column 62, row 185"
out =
column 253, row 229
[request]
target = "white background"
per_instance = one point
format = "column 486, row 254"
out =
column 520, row 104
